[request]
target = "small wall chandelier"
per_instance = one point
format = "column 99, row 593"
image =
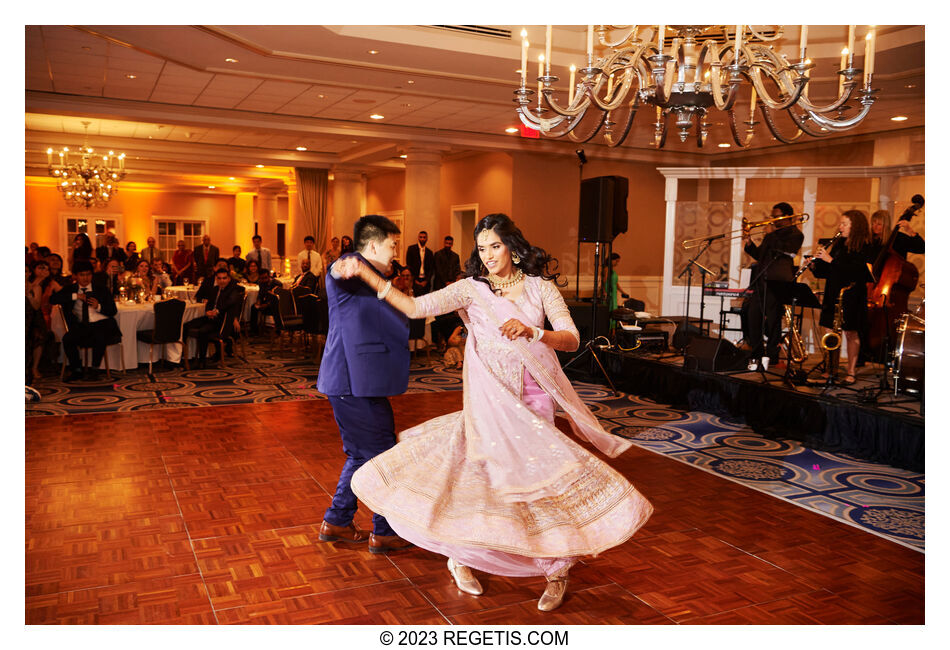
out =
column 702, row 69
column 87, row 179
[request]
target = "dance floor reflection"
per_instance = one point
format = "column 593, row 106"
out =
column 210, row 515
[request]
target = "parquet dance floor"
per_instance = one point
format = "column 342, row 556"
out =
column 210, row 515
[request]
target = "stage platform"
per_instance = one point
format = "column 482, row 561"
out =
column 858, row 420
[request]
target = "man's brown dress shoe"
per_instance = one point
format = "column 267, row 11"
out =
column 350, row 534
column 386, row 543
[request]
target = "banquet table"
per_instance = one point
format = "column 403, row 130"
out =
column 134, row 317
column 187, row 293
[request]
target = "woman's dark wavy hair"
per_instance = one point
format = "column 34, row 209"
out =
column 860, row 231
column 534, row 261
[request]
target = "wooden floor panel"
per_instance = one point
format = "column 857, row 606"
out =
column 211, row 515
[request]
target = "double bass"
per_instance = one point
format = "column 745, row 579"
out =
column 895, row 278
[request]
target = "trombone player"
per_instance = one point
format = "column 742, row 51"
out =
column 775, row 261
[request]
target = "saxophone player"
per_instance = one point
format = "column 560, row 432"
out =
column 844, row 268
column 775, row 256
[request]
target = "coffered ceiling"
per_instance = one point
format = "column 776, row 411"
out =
column 191, row 103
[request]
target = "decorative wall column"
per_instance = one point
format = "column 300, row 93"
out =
column 423, row 183
column 243, row 223
column 810, row 201
column 672, row 186
column 267, row 220
column 348, row 201
column 738, row 212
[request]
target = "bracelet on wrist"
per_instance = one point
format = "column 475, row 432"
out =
column 538, row 333
column 382, row 293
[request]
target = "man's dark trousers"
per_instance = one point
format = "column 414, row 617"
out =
column 367, row 429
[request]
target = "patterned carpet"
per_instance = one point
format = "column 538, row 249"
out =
column 882, row 500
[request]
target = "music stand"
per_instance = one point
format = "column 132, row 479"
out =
column 688, row 270
column 794, row 294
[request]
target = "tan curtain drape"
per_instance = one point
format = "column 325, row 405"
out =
column 312, row 188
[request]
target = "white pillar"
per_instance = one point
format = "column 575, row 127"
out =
column 243, row 222
column 735, row 248
column 810, row 201
column 348, row 202
column 423, row 182
column 672, row 185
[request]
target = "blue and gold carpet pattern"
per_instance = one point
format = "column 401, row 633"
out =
column 880, row 499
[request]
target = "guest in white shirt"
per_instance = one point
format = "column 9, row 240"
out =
column 160, row 279
column 260, row 255
column 310, row 254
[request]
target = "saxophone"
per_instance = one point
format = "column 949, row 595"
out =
column 831, row 342
column 796, row 347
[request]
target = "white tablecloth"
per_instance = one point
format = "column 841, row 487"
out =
column 134, row 317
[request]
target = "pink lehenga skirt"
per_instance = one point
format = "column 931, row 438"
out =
column 441, row 489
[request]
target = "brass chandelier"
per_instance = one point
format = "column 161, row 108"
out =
column 86, row 179
column 704, row 67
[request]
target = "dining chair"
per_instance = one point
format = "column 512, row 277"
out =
column 168, row 328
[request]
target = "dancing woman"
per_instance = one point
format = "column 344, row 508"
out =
column 496, row 486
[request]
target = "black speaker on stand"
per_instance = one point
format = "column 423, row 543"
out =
column 601, row 217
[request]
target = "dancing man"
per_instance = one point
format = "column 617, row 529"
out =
column 366, row 361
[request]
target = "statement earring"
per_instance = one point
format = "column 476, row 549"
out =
column 515, row 259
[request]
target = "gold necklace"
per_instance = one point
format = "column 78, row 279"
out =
column 498, row 283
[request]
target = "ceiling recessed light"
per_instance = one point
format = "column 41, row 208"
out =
column 407, row 105
column 899, row 118
column 211, row 187
column 404, row 156
column 301, row 148
column 130, row 76
column 511, row 129
column 230, row 178
column 373, row 51
column 910, row 86
column 410, row 82
column 376, row 116
column 230, row 60
column 724, row 145
column 260, row 166
column 321, row 96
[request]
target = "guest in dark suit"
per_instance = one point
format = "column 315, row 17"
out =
column 421, row 261
column 207, row 284
column 775, row 257
column 224, row 301
column 267, row 301
column 366, row 360
column 89, row 310
column 111, row 251
column 206, row 256
column 446, row 264
column 236, row 261
column 132, row 258
column 305, row 278
column 111, row 277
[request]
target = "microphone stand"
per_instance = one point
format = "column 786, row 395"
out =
column 688, row 270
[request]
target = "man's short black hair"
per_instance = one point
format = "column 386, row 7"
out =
column 43, row 251
column 222, row 270
column 309, row 238
column 449, row 238
column 372, row 227
column 423, row 232
column 82, row 265
column 784, row 208
column 255, row 237
column 235, row 248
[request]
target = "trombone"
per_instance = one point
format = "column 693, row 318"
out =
column 747, row 226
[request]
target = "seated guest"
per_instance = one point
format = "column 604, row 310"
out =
column 236, row 261
column 55, row 262
column 266, row 304
column 89, row 310
column 151, row 252
column 455, row 351
column 32, row 253
column 141, row 277
column 208, row 283
column 445, row 325
column 251, row 271
column 112, row 277
column 43, row 252
column 160, row 279
column 305, row 278
column 131, row 257
column 111, row 250
column 183, row 264
column 40, row 287
column 224, row 300
column 403, row 280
